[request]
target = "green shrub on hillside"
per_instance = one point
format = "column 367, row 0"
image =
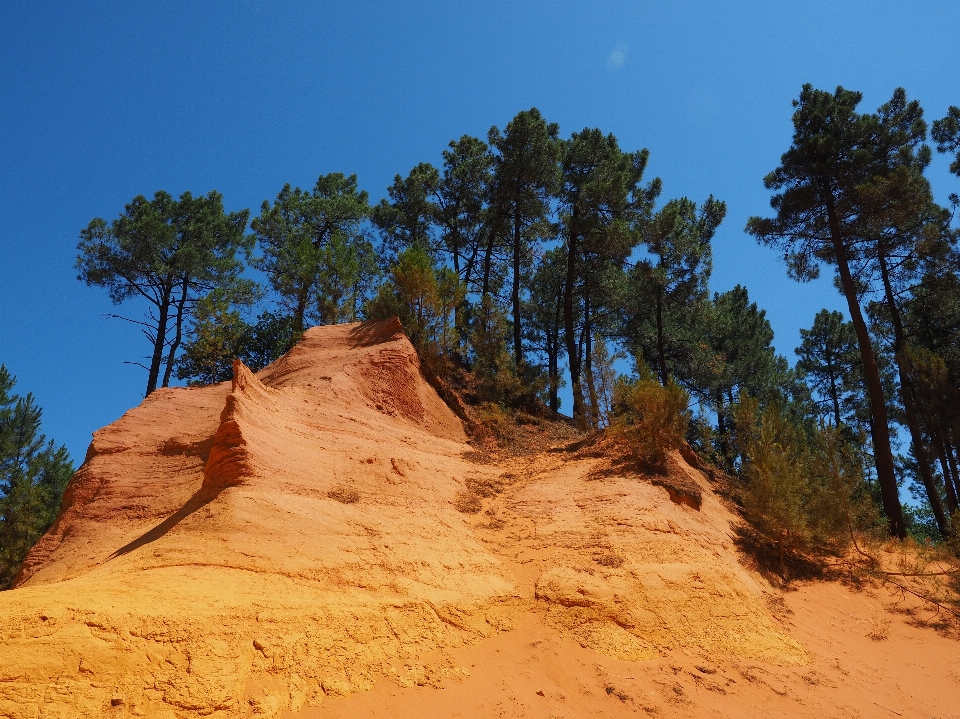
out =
column 650, row 419
column 800, row 484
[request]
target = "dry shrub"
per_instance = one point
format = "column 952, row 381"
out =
column 928, row 572
column 495, row 418
column 879, row 628
column 649, row 419
column 488, row 486
column 467, row 502
column 609, row 559
column 344, row 494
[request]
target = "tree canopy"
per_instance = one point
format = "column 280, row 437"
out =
column 527, row 251
column 170, row 253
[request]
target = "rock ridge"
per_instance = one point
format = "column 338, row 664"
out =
column 265, row 545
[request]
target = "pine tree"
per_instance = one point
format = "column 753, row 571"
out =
column 461, row 206
column 304, row 235
column 946, row 133
column 668, row 290
column 830, row 360
column 741, row 359
column 544, row 312
column 423, row 296
column 219, row 334
column 899, row 224
column 33, row 475
column 602, row 203
column 525, row 175
column 170, row 253
column 818, row 206
column 407, row 219
column 931, row 319
column 462, row 214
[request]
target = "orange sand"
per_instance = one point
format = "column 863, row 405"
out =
column 291, row 545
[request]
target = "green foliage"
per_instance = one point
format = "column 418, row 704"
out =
column 273, row 335
column 830, row 360
column 543, row 331
column 604, row 378
column 315, row 254
column 423, row 296
column 347, row 268
column 169, row 253
column 946, row 133
column 220, row 335
column 740, row 339
column 406, row 220
column 33, row 475
column 801, row 486
column 529, row 250
column 495, row 374
column 602, row 204
column 735, row 355
column 650, row 418
column 667, row 290
column 850, row 193
column 921, row 522
column 462, row 204
column 701, row 437
column 525, row 176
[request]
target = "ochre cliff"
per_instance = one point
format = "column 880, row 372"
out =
column 265, row 546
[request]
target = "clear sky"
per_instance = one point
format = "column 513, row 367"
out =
column 102, row 101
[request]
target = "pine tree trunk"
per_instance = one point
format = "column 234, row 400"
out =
column 487, row 260
column 175, row 345
column 160, row 340
column 569, row 330
column 554, row 358
column 661, row 362
column 722, row 431
column 552, row 352
column 952, row 461
column 834, row 392
column 302, row 296
column 909, row 405
column 941, row 449
column 593, row 419
column 515, row 296
column 883, row 456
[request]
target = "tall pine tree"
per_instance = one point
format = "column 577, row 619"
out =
column 818, row 205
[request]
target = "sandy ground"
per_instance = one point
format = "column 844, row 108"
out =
column 320, row 540
column 870, row 655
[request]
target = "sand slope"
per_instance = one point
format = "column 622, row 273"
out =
column 288, row 541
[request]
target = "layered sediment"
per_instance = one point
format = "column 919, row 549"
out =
column 268, row 544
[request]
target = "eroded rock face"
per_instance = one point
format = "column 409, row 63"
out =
column 207, row 563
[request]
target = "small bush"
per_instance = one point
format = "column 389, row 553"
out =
column 609, row 559
column 800, row 484
column 344, row 494
column 649, row 418
column 467, row 502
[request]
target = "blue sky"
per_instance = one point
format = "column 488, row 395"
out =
column 102, row 101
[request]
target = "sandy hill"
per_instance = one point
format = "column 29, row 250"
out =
column 321, row 540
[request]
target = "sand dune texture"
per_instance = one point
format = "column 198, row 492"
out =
column 288, row 542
